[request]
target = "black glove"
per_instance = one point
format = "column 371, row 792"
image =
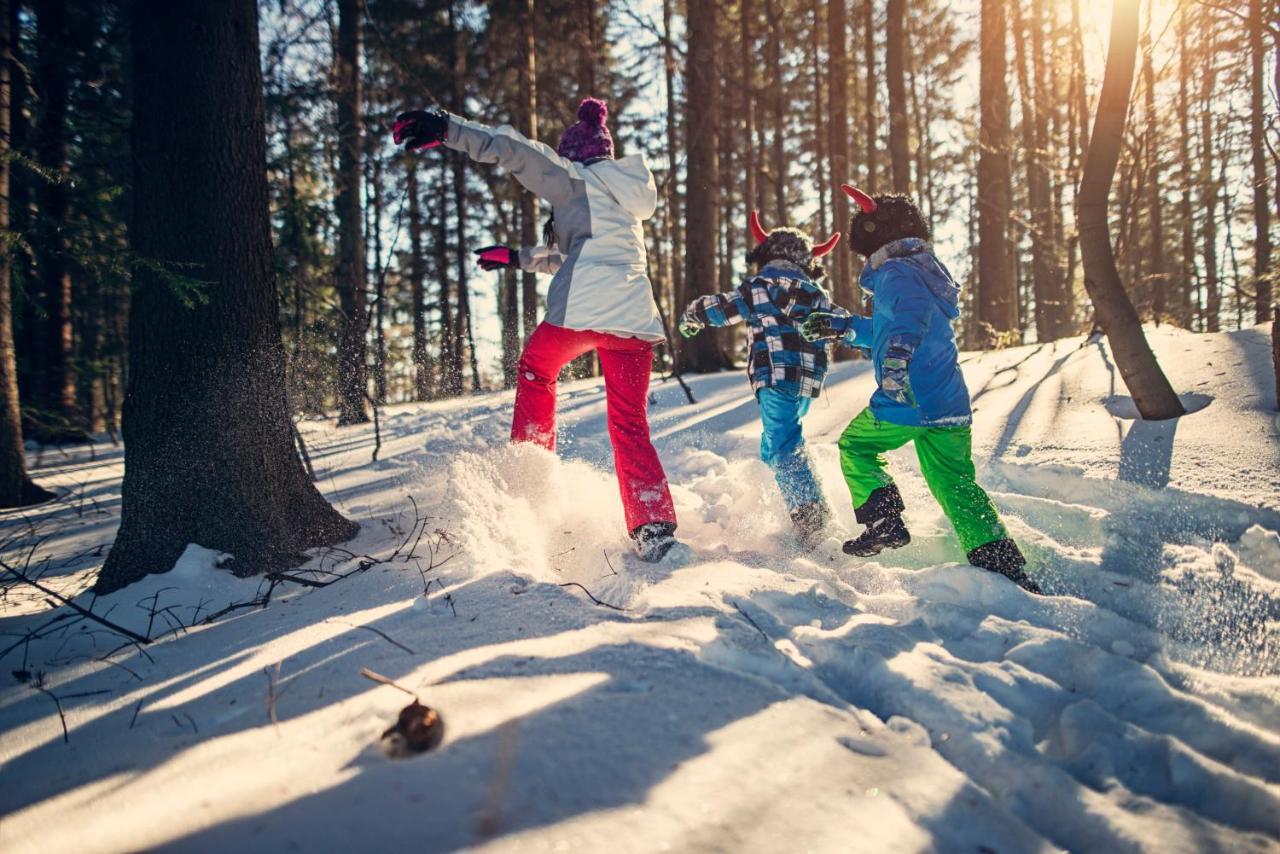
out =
column 495, row 257
column 420, row 129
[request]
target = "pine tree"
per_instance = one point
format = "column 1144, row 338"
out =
column 210, row 456
column 16, row 487
column 1258, row 146
column 349, row 270
column 997, row 288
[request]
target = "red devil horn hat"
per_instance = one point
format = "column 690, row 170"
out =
column 863, row 201
column 826, row 246
column 757, row 230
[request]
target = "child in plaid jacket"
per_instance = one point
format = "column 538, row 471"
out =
column 786, row 371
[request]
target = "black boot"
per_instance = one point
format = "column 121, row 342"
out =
column 882, row 514
column 887, row 533
column 653, row 540
column 808, row 521
column 1003, row 556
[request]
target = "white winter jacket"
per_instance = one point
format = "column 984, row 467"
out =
column 599, row 261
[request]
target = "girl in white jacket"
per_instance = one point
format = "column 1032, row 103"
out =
column 600, row 296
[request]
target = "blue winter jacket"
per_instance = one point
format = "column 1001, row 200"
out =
column 915, row 300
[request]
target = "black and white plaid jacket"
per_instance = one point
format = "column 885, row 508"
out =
column 773, row 303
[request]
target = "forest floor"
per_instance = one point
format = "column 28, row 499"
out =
column 739, row 696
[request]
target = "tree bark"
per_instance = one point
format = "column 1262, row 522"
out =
column 528, row 117
column 16, row 487
column 462, row 337
column 349, row 265
column 673, row 214
column 1159, row 276
column 1208, row 185
column 51, row 79
column 380, row 291
column 895, row 79
column 746, row 65
column 773, row 57
column 838, row 145
column 422, row 373
column 1151, row 392
column 450, row 364
column 997, row 291
column 1044, row 282
column 210, row 456
column 1187, row 303
column 1261, row 185
column 870, row 97
column 702, row 194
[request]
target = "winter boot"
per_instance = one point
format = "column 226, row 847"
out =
column 653, row 540
column 1003, row 556
column 882, row 514
column 808, row 521
column 889, row 532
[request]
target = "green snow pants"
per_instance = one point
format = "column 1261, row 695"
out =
column 946, row 461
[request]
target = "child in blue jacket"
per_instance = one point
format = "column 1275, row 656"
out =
column 921, row 395
column 785, row 369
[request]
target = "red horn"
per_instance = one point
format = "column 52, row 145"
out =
column 825, row 247
column 864, row 201
column 757, row 230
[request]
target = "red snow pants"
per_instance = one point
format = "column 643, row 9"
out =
column 626, row 363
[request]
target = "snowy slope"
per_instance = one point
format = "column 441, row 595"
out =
column 743, row 698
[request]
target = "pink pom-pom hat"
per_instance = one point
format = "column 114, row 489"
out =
column 588, row 138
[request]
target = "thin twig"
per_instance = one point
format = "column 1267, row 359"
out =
column 385, row 680
column 66, row 736
column 115, row 627
column 379, row 632
column 590, row 595
column 753, row 623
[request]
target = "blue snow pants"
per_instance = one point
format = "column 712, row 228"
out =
column 782, row 446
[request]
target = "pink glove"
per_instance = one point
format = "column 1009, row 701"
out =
column 493, row 257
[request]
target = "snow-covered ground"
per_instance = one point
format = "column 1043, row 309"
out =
column 738, row 696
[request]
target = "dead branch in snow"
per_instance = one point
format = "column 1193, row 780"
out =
column 753, row 623
column 379, row 632
column 591, row 595
column 79, row 609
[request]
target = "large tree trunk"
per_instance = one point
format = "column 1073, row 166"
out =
column 349, row 266
column 16, row 488
column 997, row 290
column 422, row 378
column 209, row 456
column 838, row 146
column 895, row 47
column 702, row 195
column 1261, row 186
column 527, row 110
column 51, row 78
column 1151, row 391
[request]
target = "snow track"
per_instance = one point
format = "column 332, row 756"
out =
column 738, row 696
